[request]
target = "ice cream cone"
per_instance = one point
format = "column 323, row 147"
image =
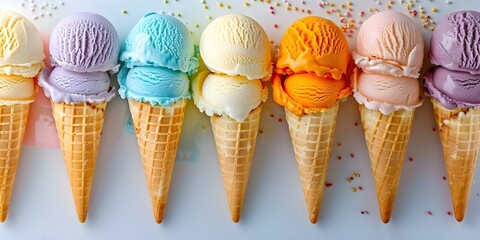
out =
column 12, row 125
column 79, row 129
column 312, row 137
column 459, row 131
column 235, row 147
column 387, row 140
column 158, row 131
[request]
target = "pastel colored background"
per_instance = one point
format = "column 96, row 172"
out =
column 42, row 205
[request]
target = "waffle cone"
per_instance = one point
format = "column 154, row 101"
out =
column 459, row 131
column 79, row 128
column 387, row 140
column 12, row 125
column 158, row 131
column 235, row 147
column 312, row 137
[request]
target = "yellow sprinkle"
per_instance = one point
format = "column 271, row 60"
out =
column 267, row 1
column 220, row 4
column 432, row 28
column 434, row 10
column 277, row 4
column 203, row 128
column 179, row 15
column 209, row 17
column 295, row 8
column 422, row 11
column 349, row 180
column 342, row 5
column 228, row 6
column 354, row 189
column 388, row 6
column 166, row 1
column 246, row 4
column 205, row 7
column 327, row 12
column 338, row 14
column 124, row 11
column 350, row 9
column 349, row 3
column 332, row 4
column 196, row 25
column 287, row 8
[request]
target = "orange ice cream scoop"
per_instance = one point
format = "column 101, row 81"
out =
column 307, row 93
column 314, row 44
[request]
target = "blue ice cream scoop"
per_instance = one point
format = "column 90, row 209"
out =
column 160, row 40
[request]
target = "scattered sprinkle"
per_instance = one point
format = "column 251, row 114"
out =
column 354, row 189
column 124, row 11
column 429, row 213
column 360, row 188
column 410, row 159
column 449, row 213
column 444, row 178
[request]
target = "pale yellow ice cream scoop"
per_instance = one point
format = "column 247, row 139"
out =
column 236, row 45
column 21, row 48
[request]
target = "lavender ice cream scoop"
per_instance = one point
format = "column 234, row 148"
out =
column 85, row 42
column 455, row 42
column 63, row 85
column 453, row 89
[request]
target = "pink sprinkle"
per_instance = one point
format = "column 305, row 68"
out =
column 429, row 213
column 271, row 7
column 339, row 144
column 362, row 212
column 272, row 12
column 280, row 120
column 320, row 5
column 366, row 212
column 339, row 157
column 410, row 159
column 362, row 13
column 342, row 20
column 414, row 13
column 434, row 129
column 351, row 155
column 360, row 188
column 444, row 178
column 355, row 124
column 334, row 10
column 271, row 115
column 348, row 14
column 449, row 213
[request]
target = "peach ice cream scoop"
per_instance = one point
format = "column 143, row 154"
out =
column 314, row 44
column 389, row 42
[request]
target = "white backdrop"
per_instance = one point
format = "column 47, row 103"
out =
column 42, row 205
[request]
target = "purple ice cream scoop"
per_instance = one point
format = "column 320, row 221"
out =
column 455, row 42
column 453, row 89
column 85, row 42
column 63, row 85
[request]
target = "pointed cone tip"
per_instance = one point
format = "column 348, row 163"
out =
column 459, row 217
column 236, row 218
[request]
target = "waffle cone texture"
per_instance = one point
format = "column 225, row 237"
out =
column 158, row 130
column 12, row 129
column 459, row 131
column 387, row 139
column 312, row 137
column 79, row 128
column 235, row 143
